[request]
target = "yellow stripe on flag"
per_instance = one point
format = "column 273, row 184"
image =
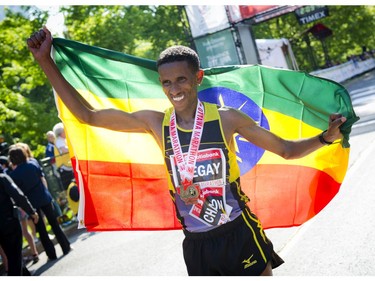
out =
column 329, row 159
column 126, row 104
column 98, row 144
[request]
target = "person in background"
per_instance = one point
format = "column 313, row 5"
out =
column 10, row 228
column 4, row 168
column 50, row 152
column 25, row 222
column 24, row 218
column 31, row 158
column 62, row 157
column 50, row 146
column 28, row 178
column 5, row 165
column 4, row 261
column 30, row 237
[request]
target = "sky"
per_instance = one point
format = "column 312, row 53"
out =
column 55, row 22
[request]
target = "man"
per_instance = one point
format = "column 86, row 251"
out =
column 231, row 241
column 50, row 151
column 28, row 176
column 50, row 136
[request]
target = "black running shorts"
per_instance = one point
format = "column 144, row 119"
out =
column 236, row 248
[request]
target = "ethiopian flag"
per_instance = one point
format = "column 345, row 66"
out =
column 122, row 177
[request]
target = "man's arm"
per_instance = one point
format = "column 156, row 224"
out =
column 40, row 46
column 235, row 121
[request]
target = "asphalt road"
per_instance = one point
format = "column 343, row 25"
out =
column 337, row 242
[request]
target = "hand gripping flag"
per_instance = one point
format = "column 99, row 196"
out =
column 122, row 178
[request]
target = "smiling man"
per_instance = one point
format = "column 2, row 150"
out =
column 222, row 235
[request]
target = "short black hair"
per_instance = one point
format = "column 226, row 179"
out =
column 179, row 53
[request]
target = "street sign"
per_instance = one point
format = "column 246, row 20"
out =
column 320, row 31
column 309, row 14
column 217, row 49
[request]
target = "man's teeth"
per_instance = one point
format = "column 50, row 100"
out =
column 178, row 98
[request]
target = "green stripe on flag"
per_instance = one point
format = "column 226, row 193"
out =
column 105, row 73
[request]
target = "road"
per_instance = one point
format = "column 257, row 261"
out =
column 362, row 92
column 337, row 242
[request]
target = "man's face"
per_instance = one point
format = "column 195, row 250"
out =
column 179, row 83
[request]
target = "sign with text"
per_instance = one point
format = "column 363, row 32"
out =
column 309, row 14
column 217, row 49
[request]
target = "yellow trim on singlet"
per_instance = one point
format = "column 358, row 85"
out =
column 211, row 113
column 253, row 231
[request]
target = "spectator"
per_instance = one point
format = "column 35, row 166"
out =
column 50, row 147
column 26, row 220
column 63, row 161
column 50, row 151
column 4, row 261
column 31, row 158
column 5, row 165
column 28, row 178
column 10, row 228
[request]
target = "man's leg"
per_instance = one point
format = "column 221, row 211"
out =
column 268, row 270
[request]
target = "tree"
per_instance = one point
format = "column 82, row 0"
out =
column 27, row 108
column 352, row 28
column 136, row 30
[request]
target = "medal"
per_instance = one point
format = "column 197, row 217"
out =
column 191, row 192
column 188, row 191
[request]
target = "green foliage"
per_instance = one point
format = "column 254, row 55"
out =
column 27, row 108
column 136, row 30
column 352, row 26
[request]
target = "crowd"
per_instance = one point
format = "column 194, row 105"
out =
column 27, row 207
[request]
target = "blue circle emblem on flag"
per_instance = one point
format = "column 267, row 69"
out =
column 247, row 153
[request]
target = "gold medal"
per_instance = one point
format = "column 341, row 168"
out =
column 190, row 192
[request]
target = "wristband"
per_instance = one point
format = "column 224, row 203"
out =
column 322, row 140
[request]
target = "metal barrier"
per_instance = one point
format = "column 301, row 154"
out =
column 65, row 215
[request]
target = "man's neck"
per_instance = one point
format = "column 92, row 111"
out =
column 185, row 119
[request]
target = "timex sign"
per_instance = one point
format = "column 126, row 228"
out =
column 309, row 14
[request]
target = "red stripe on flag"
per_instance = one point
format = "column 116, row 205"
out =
column 291, row 196
column 126, row 196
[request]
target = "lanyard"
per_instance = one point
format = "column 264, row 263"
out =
column 186, row 168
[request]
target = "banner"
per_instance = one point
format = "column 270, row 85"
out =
column 122, row 178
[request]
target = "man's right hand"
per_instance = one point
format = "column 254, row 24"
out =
column 40, row 44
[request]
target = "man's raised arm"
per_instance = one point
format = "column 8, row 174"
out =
column 40, row 46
